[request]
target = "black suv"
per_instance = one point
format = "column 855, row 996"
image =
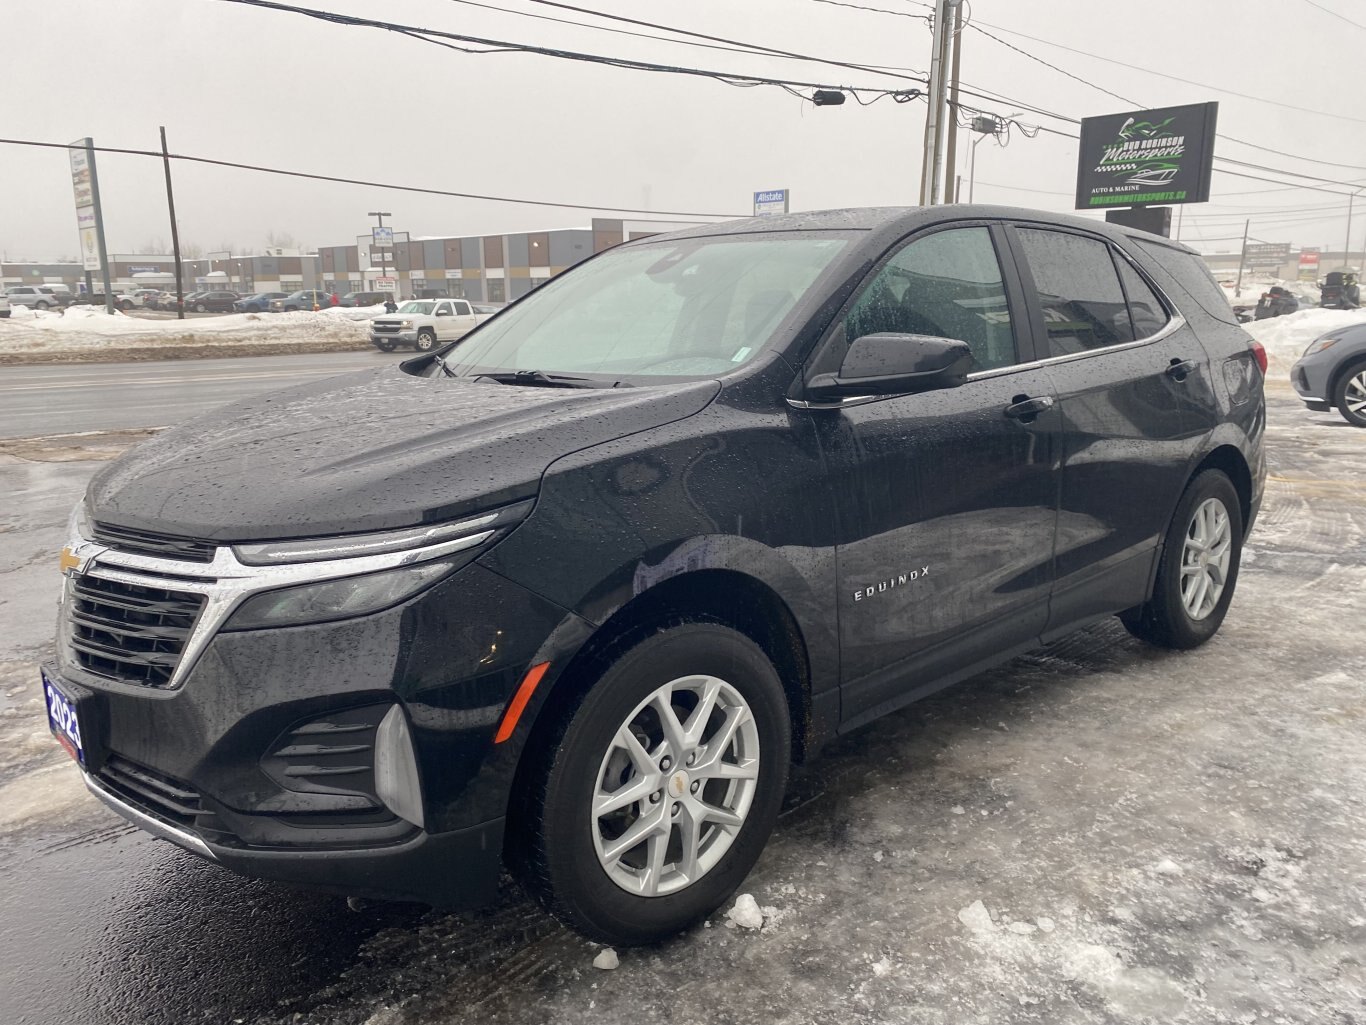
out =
column 571, row 594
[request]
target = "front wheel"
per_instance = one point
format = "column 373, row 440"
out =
column 1198, row 570
column 201, row 308
column 1350, row 395
column 426, row 341
column 384, row 346
column 659, row 792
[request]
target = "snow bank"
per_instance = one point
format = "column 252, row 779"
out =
column 1287, row 337
column 83, row 327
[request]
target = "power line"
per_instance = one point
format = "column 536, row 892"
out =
column 718, row 39
column 437, row 37
column 1335, row 14
column 369, row 184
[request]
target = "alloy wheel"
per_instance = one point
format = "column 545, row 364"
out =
column 1205, row 558
column 675, row 786
column 1355, row 395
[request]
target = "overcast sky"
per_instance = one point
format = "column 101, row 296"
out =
column 264, row 87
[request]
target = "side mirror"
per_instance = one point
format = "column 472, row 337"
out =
column 895, row 364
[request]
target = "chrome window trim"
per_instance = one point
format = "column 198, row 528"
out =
column 226, row 582
column 153, row 825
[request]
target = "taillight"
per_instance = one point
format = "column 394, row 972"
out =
column 1259, row 354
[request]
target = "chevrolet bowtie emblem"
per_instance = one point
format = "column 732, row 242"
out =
column 70, row 560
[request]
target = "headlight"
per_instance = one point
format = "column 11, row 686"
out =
column 406, row 323
column 336, row 599
column 450, row 536
column 78, row 524
column 1319, row 344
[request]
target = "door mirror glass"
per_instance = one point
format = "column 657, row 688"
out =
column 894, row 364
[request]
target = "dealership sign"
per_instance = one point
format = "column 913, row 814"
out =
column 1309, row 264
column 1146, row 157
column 83, row 185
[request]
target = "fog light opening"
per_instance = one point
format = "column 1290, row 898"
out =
column 396, row 780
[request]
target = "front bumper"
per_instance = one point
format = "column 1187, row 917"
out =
column 456, row 869
column 1309, row 377
column 262, row 756
column 395, row 337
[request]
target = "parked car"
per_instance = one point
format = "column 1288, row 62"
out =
column 305, row 299
column 33, row 297
column 571, row 594
column 257, row 303
column 423, row 324
column 1332, row 373
column 355, row 299
column 121, row 301
column 61, row 297
column 145, row 296
column 488, row 309
column 213, row 302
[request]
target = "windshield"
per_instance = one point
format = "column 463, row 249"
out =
column 689, row 307
column 417, row 307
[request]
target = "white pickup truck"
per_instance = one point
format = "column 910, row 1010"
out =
column 424, row 324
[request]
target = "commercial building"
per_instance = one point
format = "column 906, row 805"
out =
column 489, row 268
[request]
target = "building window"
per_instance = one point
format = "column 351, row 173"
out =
column 497, row 290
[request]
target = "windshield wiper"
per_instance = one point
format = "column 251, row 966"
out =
column 445, row 367
column 540, row 379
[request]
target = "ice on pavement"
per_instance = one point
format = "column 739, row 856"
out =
column 746, row 913
column 607, row 960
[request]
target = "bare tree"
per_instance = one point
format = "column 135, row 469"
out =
column 281, row 240
column 153, row 247
column 192, row 251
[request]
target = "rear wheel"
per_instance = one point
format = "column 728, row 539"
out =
column 1198, row 570
column 426, row 341
column 1350, row 395
column 40, row 305
column 201, row 308
column 656, row 798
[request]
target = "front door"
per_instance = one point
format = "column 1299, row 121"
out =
column 946, row 500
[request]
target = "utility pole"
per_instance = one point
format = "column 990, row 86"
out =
column 175, row 231
column 1242, row 259
column 1347, row 245
column 383, row 262
column 99, row 228
column 951, row 149
column 934, row 116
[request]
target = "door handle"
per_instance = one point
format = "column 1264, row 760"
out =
column 1025, row 409
column 1180, row 369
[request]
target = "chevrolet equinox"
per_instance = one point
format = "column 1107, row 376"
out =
column 571, row 594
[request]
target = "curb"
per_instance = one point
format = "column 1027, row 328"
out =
column 146, row 353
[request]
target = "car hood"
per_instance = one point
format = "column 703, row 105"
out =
column 369, row 451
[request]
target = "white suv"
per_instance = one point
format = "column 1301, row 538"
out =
column 423, row 324
column 32, row 297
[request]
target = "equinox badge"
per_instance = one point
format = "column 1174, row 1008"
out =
column 898, row 581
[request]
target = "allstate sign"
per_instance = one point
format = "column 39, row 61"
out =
column 774, row 201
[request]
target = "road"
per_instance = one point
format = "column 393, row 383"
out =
column 71, row 398
column 1152, row 836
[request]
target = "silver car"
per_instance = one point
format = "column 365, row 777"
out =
column 1332, row 372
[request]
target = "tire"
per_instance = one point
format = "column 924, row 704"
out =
column 200, row 308
column 1175, row 619
column 40, row 306
column 125, row 307
column 385, row 346
column 562, row 851
column 426, row 341
column 1349, row 394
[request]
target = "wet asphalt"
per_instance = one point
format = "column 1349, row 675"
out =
column 1049, row 789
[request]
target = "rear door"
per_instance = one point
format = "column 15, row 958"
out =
column 946, row 500
column 1123, row 367
column 464, row 317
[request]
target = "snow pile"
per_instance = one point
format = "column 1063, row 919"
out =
column 84, row 327
column 1287, row 337
column 355, row 312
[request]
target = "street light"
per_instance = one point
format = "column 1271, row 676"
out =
column 383, row 264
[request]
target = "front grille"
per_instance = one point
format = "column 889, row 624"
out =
column 140, row 542
column 386, row 327
column 130, row 632
column 158, row 795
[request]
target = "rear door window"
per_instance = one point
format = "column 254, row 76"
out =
column 1078, row 291
column 1145, row 308
column 1193, row 276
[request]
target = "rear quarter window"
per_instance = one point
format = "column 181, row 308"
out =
column 1190, row 272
